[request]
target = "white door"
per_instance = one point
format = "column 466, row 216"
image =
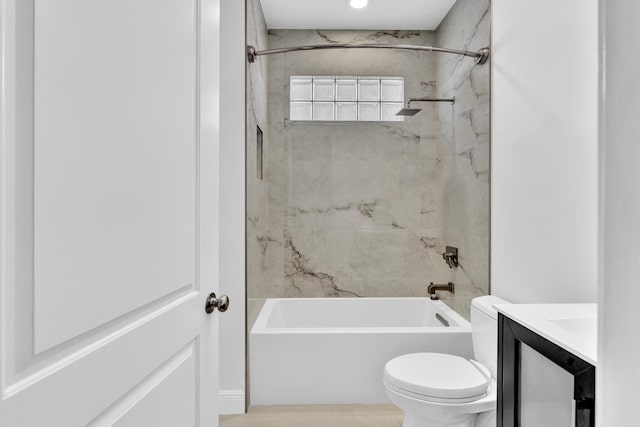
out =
column 108, row 192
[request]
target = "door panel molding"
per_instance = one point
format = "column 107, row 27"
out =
column 21, row 315
column 57, row 362
column 138, row 393
column 131, row 357
column 128, row 356
column 122, row 102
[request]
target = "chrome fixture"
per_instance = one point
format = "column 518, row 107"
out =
column 442, row 320
column 450, row 256
column 480, row 56
column 213, row 302
column 408, row 111
column 432, row 288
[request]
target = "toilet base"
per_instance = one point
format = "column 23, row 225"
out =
column 460, row 421
column 422, row 413
column 487, row 419
column 419, row 413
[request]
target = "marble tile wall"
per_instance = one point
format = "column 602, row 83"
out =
column 365, row 209
column 257, row 195
column 352, row 206
column 464, row 150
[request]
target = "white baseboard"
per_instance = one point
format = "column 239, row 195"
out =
column 231, row 402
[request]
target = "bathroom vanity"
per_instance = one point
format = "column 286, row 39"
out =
column 546, row 364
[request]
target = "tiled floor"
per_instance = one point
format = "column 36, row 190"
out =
column 317, row 416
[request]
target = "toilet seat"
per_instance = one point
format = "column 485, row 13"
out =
column 436, row 377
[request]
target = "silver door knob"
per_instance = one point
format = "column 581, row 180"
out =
column 213, row 302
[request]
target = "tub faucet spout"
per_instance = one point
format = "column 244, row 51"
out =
column 432, row 288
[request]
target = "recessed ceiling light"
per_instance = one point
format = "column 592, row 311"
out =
column 358, row 4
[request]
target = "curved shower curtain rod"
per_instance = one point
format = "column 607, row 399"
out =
column 481, row 55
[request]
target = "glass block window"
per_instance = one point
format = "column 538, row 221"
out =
column 345, row 98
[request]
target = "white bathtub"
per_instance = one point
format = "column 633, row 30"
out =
column 333, row 351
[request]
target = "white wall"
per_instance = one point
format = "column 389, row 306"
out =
column 619, row 344
column 232, row 205
column 544, row 150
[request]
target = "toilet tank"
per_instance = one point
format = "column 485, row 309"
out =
column 484, row 331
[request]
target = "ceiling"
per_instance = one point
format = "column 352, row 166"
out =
column 338, row 15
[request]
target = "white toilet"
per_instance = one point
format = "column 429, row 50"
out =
column 443, row 390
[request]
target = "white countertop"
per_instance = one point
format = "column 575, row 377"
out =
column 573, row 327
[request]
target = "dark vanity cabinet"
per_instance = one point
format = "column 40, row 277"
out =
column 514, row 340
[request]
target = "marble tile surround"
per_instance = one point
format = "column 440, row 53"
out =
column 464, row 172
column 365, row 209
column 257, row 115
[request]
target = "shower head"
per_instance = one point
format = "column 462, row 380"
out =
column 408, row 112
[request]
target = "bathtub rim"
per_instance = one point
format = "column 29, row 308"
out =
column 260, row 325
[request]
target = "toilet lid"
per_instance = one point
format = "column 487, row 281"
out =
column 441, row 376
